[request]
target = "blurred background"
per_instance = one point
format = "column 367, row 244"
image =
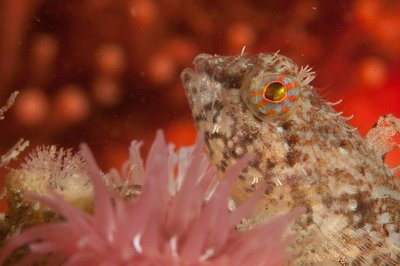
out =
column 107, row 71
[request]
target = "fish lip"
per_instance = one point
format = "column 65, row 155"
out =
column 202, row 67
column 202, row 62
column 190, row 81
column 211, row 73
column 195, row 83
column 200, row 86
column 189, row 75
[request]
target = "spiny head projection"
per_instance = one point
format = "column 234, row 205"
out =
column 304, row 151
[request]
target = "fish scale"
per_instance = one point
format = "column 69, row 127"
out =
column 307, row 156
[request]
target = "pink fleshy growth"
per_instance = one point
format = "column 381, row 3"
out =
column 177, row 219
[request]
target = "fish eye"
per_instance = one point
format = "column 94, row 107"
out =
column 270, row 96
column 275, row 92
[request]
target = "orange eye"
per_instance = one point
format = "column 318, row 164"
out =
column 271, row 95
column 275, row 92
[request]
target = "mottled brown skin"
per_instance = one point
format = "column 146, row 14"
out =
column 307, row 157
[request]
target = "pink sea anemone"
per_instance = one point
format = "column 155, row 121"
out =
column 181, row 218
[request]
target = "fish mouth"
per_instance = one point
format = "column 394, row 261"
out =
column 200, row 85
column 202, row 67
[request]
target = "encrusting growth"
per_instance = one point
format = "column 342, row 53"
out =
column 46, row 169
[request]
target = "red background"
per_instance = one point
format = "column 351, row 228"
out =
column 107, row 71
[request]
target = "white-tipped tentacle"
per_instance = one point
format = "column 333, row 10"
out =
column 306, row 75
column 337, row 114
column 243, row 50
column 335, row 103
column 348, row 118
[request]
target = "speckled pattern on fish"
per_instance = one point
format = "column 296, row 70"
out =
column 305, row 152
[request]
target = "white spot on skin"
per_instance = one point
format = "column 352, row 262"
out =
column 286, row 146
column 239, row 151
column 352, row 205
column 255, row 180
column 356, row 219
column 231, row 205
column 216, row 128
column 279, row 129
column 342, row 151
column 384, row 218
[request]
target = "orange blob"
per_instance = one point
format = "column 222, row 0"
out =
column 31, row 107
column 373, row 72
column 106, row 92
column 144, row 12
column 285, row 109
column 261, row 103
column 71, row 104
column 161, row 68
column 44, row 48
column 381, row 21
column 366, row 11
column 43, row 54
column 182, row 50
column 110, row 60
column 239, row 35
column 271, row 113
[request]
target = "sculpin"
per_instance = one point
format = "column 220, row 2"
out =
column 305, row 152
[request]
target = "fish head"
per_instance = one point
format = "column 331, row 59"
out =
column 243, row 104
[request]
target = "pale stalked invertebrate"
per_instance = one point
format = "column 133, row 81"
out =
column 305, row 153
